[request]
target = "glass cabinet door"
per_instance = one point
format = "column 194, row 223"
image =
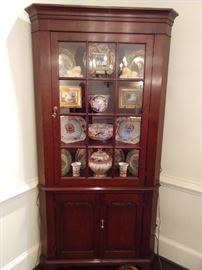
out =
column 101, row 95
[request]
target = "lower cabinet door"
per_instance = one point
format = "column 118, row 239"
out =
column 76, row 223
column 122, row 219
column 90, row 226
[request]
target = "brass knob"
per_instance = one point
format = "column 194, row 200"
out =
column 102, row 224
column 55, row 108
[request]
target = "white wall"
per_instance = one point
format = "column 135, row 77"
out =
column 18, row 211
column 180, row 196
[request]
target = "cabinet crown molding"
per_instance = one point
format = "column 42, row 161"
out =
column 43, row 14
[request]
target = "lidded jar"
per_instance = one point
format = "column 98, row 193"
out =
column 100, row 162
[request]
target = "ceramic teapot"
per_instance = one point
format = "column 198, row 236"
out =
column 100, row 162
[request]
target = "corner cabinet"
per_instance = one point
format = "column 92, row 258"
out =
column 100, row 85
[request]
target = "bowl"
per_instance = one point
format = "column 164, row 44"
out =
column 100, row 132
column 99, row 103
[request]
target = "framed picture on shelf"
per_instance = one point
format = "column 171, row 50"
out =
column 100, row 63
column 101, row 60
column 130, row 98
column 70, row 96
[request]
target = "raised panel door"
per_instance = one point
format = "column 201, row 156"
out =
column 122, row 215
column 76, row 224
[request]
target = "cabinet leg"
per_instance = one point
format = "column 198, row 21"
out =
column 138, row 267
column 44, row 267
column 49, row 267
column 144, row 267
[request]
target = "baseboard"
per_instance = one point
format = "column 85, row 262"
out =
column 161, row 263
column 25, row 261
column 179, row 253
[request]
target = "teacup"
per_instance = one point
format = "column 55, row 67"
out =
column 76, row 166
column 123, row 168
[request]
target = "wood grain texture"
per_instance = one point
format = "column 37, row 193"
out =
column 87, row 221
column 95, row 19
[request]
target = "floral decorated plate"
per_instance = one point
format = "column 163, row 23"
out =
column 128, row 129
column 72, row 128
column 136, row 62
column 66, row 160
column 80, row 156
column 133, row 160
column 99, row 103
column 66, row 62
column 119, row 156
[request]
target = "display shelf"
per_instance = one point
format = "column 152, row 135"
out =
column 72, row 114
column 100, row 144
column 66, row 178
column 129, row 114
column 82, row 144
column 72, row 78
column 127, row 145
column 105, row 79
column 100, row 114
column 130, row 79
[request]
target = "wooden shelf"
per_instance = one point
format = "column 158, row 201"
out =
column 100, row 144
column 128, row 115
column 127, row 145
column 130, row 79
column 81, row 144
column 72, row 114
column 101, row 114
column 72, row 78
column 105, row 79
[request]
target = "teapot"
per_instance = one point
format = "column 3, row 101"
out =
column 100, row 162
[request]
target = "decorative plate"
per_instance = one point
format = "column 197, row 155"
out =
column 128, row 129
column 99, row 103
column 119, row 156
column 66, row 160
column 73, row 129
column 80, row 156
column 133, row 160
column 136, row 62
column 66, row 61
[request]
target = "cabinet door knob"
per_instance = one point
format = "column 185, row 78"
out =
column 55, row 108
column 102, row 224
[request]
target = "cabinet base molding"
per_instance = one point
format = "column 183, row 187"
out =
column 142, row 264
column 166, row 264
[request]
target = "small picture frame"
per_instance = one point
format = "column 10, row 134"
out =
column 130, row 98
column 100, row 62
column 70, row 96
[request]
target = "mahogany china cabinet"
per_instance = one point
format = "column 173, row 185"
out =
column 100, row 85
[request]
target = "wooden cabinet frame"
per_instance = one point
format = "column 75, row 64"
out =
column 66, row 203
